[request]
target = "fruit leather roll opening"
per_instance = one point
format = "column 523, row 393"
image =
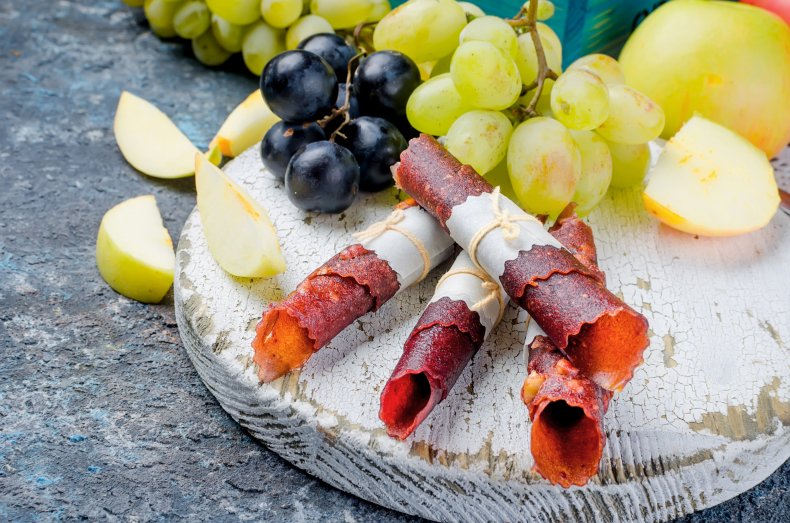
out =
column 391, row 256
column 567, row 411
column 601, row 335
column 466, row 306
column 566, row 408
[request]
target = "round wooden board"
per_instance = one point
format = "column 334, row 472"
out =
column 704, row 419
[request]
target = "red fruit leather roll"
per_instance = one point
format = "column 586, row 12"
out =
column 601, row 335
column 392, row 255
column 466, row 306
column 566, row 408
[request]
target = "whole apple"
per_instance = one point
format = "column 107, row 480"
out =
column 727, row 61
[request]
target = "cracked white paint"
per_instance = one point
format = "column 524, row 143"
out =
column 720, row 307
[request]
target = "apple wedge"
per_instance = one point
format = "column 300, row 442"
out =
column 238, row 231
column 245, row 126
column 711, row 181
column 150, row 141
column 134, row 252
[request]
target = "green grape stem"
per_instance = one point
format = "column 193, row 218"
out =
column 527, row 19
column 343, row 110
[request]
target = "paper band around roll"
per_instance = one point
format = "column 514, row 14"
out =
column 409, row 241
column 487, row 297
column 477, row 223
column 502, row 220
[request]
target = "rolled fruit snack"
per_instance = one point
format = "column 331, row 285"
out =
column 566, row 408
column 391, row 255
column 601, row 335
column 465, row 308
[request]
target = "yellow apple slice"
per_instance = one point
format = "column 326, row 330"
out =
column 238, row 231
column 245, row 126
column 134, row 252
column 150, row 141
column 711, row 181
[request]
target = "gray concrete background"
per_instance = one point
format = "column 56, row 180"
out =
column 101, row 414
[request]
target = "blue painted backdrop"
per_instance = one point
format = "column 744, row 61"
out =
column 584, row 26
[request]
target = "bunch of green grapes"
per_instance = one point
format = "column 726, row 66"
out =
column 584, row 131
column 259, row 29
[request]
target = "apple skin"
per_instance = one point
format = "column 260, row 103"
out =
column 779, row 7
column 726, row 61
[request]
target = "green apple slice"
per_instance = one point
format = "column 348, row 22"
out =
column 134, row 252
column 238, row 230
column 711, row 181
column 150, row 141
column 245, row 126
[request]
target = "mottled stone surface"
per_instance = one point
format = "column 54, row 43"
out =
column 101, row 413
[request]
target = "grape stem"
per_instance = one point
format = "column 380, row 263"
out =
column 344, row 109
column 527, row 20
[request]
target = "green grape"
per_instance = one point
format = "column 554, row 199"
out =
column 545, row 9
column 629, row 164
column 596, row 171
column 305, row 27
column 580, row 100
column 160, row 17
column 424, row 30
column 486, row 76
column 192, row 19
column 435, row 105
column 544, row 165
column 342, row 14
column 499, row 177
column 633, row 117
column 134, row 3
column 471, row 9
column 239, row 12
column 261, row 43
column 607, row 68
column 480, row 139
column 228, row 35
column 442, row 66
column 379, row 10
column 281, row 13
column 527, row 58
column 491, row 29
column 208, row 50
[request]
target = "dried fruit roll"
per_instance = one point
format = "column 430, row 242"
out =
column 600, row 334
column 566, row 408
column 391, row 255
column 465, row 308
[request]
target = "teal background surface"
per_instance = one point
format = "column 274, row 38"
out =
column 584, row 26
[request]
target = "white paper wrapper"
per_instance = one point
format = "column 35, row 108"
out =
column 494, row 251
column 402, row 254
column 469, row 289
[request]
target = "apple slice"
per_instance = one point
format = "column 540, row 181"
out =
column 240, row 235
column 245, row 126
column 711, row 181
column 150, row 141
column 134, row 252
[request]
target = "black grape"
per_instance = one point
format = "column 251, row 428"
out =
column 323, row 176
column 376, row 145
column 383, row 83
column 333, row 49
column 299, row 86
column 283, row 140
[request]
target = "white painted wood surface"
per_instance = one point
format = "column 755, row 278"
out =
column 704, row 419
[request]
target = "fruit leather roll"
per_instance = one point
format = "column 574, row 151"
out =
column 391, row 255
column 566, row 408
column 465, row 308
column 602, row 336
